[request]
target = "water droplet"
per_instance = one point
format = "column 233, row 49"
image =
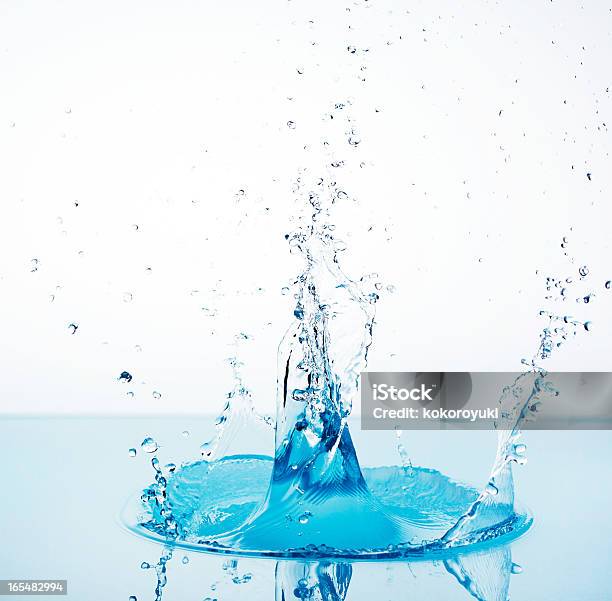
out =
column 291, row 124
column 72, row 328
column 34, row 263
column 145, row 565
column 583, row 271
column 608, row 285
column 354, row 140
column 135, row 227
column 125, row 376
column 132, row 452
column 205, row 449
column 127, row 297
column 587, row 298
column 305, row 517
column 156, row 395
column 185, row 559
column 351, row 49
column 516, row 568
column 588, row 326
column 130, row 394
column 138, row 348
column 185, row 433
column 132, row 598
column 149, row 445
column 285, row 290
column 242, row 579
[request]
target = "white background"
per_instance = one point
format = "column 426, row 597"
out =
column 156, row 114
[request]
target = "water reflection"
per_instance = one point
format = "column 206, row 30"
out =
column 484, row 575
column 312, row 581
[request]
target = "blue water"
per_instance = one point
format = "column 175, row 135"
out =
column 313, row 499
column 223, row 501
column 66, row 477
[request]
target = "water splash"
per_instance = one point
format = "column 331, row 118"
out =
column 160, row 568
column 307, row 500
column 238, row 414
column 313, row 499
column 518, row 403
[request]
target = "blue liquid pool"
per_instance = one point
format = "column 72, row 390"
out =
column 221, row 507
